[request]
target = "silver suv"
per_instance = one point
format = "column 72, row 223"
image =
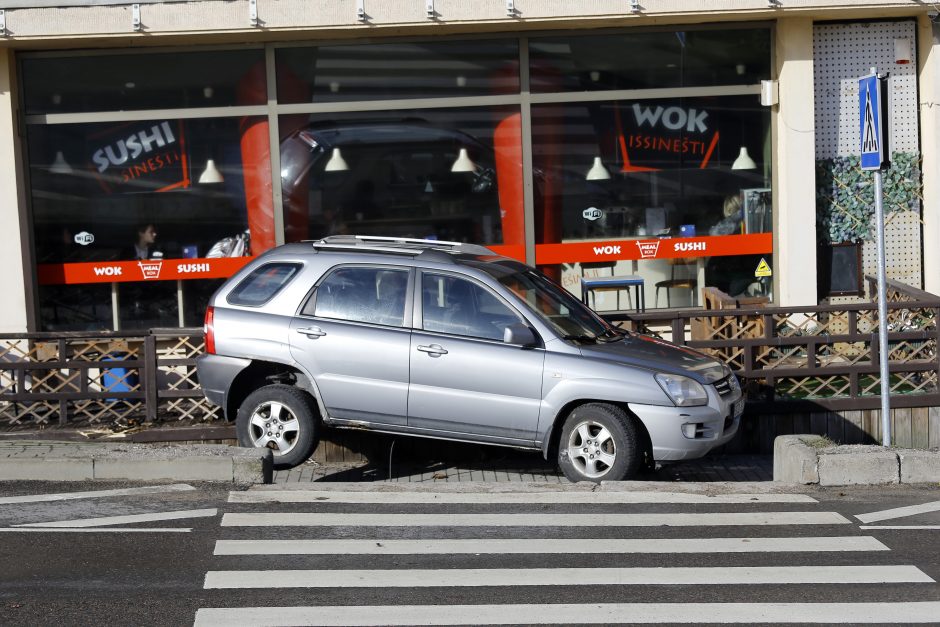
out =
column 451, row 341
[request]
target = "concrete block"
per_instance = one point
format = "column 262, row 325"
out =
column 794, row 460
column 194, row 468
column 46, row 469
column 253, row 465
column 858, row 465
column 920, row 466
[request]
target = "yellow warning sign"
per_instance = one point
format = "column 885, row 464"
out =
column 763, row 269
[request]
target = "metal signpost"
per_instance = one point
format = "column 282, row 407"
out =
column 873, row 118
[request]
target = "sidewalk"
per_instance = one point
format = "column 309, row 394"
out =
column 516, row 466
column 80, row 461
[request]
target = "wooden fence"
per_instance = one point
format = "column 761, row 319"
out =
column 101, row 378
column 805, row 369
column 816, row 369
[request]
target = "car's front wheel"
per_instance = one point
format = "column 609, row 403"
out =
column 599, row 442
column 281, row 418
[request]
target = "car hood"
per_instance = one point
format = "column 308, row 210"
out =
column 654, row 354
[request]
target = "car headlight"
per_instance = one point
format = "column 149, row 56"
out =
column 683, row 391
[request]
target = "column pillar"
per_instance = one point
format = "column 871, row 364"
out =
column 928, row 36
column 794, row 166
column 14, row 235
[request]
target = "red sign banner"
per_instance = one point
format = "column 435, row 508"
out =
column 655, row 248
column 141, row 270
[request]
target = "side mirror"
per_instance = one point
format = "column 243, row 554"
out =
column 518, row 333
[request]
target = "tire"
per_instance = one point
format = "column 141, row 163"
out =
column 599, row 442
column 294, row 430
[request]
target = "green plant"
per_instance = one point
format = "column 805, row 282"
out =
column 845, row 201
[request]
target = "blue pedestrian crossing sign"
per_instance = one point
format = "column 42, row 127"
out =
column 872, row 105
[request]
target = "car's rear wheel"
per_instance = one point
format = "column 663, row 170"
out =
column 281, row 418
column 599, row 442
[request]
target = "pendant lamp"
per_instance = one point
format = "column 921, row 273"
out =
column 597, row 172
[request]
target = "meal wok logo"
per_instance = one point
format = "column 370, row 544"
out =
column 150, row 269
column 648, row 250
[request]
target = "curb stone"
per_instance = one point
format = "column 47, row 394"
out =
column 70, row 461
column 811, row 459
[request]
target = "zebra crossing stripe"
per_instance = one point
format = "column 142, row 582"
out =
column 306, row 519
column 547, row 546
column 574, row 614
column 499, row 498
column 514, row 577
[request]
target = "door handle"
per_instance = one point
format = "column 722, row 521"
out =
column 312, row 332
column 434, row 350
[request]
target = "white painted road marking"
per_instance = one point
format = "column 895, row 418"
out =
column 519, row 577
column 934, row 527
column 97, row 529
column 530, row 520
column 129, row 519
column 68, row 496
column 561, row 498
column 900, row 512
column 547, row 546
column 574, row 614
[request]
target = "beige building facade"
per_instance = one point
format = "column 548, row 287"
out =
column 600, row 137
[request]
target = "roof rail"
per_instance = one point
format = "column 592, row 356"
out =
column 398, row 245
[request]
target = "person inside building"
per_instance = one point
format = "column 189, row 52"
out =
column 733, row 220
column 145, row 244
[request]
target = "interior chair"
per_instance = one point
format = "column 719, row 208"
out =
column 687, row 282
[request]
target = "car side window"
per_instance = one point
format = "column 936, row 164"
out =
column 373, row 295
column 453, row 305
column 262, row 284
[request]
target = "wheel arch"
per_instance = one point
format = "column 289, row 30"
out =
column 260, row 373
column 550, row 445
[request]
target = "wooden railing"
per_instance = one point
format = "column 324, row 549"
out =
column 101, row 378
column 790, row 358
column 824, row 357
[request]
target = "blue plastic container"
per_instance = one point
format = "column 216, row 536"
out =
column 118, row 379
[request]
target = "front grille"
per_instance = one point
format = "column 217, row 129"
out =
column 726, row 386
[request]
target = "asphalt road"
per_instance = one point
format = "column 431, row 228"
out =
column 518, row 559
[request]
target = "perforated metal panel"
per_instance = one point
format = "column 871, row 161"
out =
column 842, row 53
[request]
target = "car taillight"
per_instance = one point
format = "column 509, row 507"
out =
column 208, row 329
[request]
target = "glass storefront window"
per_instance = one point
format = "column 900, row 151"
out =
column 127, row 82
column 397, row 70
column 449, row 174
column 649, row 60
column 633, row 188
column 143, row 205
column 135, row 223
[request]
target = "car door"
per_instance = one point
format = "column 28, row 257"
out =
column 352, row 337
column 464, row 379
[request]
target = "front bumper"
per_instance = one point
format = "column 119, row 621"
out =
column 716, row 423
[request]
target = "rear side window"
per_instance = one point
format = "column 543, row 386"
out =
column 373, row 295
column 262, row 284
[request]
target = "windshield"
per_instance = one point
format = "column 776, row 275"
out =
column 556, row 306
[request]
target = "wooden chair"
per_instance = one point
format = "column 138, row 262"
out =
column 686, row 283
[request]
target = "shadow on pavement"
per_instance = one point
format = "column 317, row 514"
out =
column 412, row 461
